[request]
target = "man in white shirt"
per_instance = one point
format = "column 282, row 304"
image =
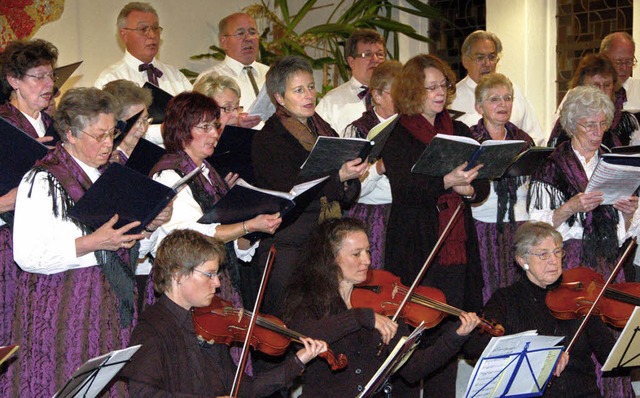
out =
column 139, row 29
column 363, row 51
column 239, row 38
column 620, row 48
column 480, row 56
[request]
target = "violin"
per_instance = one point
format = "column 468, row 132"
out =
column 383, row 292
column 578, row 289
column 221, row 323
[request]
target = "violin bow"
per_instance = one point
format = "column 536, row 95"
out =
column 252, row 323
column 426, row 265
column 626, row 253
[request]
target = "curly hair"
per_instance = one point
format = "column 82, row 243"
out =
column 581, row 102
column 314, row 286
column 21, row 55
column 408, row 89
column 532, row 233
column 492, row 80
column 129, row 94
column 180, row 252
column 79, row 107
column 184, row 111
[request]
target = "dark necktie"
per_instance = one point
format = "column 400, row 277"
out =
column 367, row 97
column 252, row 78
column 153, row 73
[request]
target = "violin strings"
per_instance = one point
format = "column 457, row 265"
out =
column 431, row 303
column 622, row 296
column 274, row 327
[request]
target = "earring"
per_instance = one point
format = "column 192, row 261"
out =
column 525, row 267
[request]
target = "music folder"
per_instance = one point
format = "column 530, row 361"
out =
column 123, row 191
column 144, row 156
column 379, row 134
column 18, row 153
column 90, row 378
column 64, row 73
column 518, row 365
column 233, row 152
column 125, row 126
column 626, row 351
column 528, row 161
column 329, row 153
column 158, row 107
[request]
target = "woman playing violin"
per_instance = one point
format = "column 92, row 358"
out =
column 172, row 362
column 521, row 307
column 318, row 303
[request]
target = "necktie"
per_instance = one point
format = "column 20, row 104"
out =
column 367, row 97
column 153, row 73
column 249, row 70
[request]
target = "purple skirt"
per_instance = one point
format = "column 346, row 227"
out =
column 8, row 284
column 375, row 218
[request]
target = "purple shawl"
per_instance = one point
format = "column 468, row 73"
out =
column 365, row 123
column 15, row 117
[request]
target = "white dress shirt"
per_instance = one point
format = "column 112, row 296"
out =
column 186, row 212
column 341, row 106
column 522, row 113
column 44, row 243
column 632, row 87
column 375, row 188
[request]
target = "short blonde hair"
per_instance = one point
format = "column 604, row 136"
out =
column 213, row 84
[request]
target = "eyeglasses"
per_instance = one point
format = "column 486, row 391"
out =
column 592, row 127
column 145, row 30
column 102, row 137
column 544, row 256
column 143, row 122
column 368, row 55
column 210, row 275
column 42, row 76
column 444, row 86
column 629, row 63
column 496, row 99
column 242, row 34
column 481, row 58
column 231, row 109
column 207, row 127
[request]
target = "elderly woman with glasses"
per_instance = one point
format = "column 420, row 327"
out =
column 521, row 307
column 133, row 99
column 497, row 217
column 226, row 92
column 592, row 232
column 598, row 71
column 423, row 205
column 77, row 291
column 191, row 133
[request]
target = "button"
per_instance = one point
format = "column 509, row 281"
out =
column 360, row 388
column 358, row 371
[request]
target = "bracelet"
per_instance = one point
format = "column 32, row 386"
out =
column 148, row 230
column 469, row 197
column 246, row 230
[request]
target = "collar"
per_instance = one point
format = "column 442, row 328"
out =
column 134, row 62
column 237, row 67
column 355, row 85
column 380, row 118
column 91, row 172
column 467, row 81
column 182, row 316
column 583, row 160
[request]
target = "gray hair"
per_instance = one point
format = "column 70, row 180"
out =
column 477, row 36
column 492, row 80
column 607, row 42
column 280, row 72
column 532, row 233
column 129, row 94
column 133, row 6
column 79, row 107
column 213, row 84
column 581, row 102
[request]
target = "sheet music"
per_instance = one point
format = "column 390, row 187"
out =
column 262, row 106
column 614, row 181
column 501, row 358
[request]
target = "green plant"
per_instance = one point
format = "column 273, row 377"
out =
column 322, row 44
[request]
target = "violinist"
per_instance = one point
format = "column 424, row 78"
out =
column 172, row 361
column 317, row 303
column 521, row 307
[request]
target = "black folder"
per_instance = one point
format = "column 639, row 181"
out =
column 233, row 153
column 144, row 156
column 125, row 126
column 158, row 107
column 528, row 162
column 446, row 152
column 18, row 153
column 123, row 191
column 330, row 153
column 381, row 139
column 64, row 73
column 626, row 149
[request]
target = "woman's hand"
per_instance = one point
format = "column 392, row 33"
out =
column 458, row 177
column 163, row 217
column 311, row 349
column 628, row 207
column 231, row 179
column 380, row 169
column 44, row 140
column 248, row 121
column 353, row 169
column 579, row 203
column 8, row 200
column 468, row 322
column 268, row 223
column 386, row 327
column 108, row 238
column 562, row 363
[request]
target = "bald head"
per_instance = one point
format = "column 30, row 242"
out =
column 620, row 48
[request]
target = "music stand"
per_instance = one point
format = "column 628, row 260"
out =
column 626, row 351
column 90, row 378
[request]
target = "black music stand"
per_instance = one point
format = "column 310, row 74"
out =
column 626, row 351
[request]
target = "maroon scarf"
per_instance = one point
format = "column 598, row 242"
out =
column 67, row 179
column 15, row 117
column 453, row 250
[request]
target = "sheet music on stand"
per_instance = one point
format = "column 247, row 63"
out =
column 397, row 357
column 90, row 378
column 626, row 351
column 518, row 365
